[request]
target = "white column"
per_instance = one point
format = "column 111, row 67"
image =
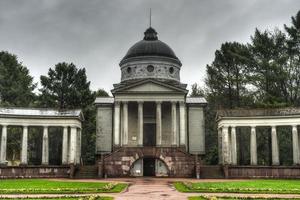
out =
column 295, row 145
column 3, row 145
column 117, row 123
column 78, row 146
column 140, row 123
column 80, row 139
column 253, row 146
column 65, row 146
column 225, row 145
column 158, row 124
column 275, row 150
column 182, row 122
column 233, row 146
column 174, row 124
column 73, row 134
column 45, row 151
column 125, row 123
column 24, row 145
column 220, row 146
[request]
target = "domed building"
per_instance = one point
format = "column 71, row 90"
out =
column 150, row 127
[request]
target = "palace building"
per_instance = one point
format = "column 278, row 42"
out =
column 150, row 127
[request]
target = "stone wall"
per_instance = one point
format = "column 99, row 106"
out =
column 35, row 172
column 104, row 128
column 119, row 163
column 263, row 171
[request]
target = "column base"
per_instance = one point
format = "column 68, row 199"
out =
column 3, row 164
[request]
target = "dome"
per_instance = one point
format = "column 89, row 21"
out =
column 150, row 46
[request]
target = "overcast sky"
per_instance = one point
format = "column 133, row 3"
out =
column 96, row 34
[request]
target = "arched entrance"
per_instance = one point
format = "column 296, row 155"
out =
column 149, row 166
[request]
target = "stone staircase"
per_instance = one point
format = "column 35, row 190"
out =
column 87, row 171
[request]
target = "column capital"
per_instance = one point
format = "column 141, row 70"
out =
column 158, row 102
column 124, row 102
column 174, row 102
column 233, row 126
column 294, row 125
column 273, row 126
column 253, row 126
column 140, row 102
column 182, row 103
column 117, row 103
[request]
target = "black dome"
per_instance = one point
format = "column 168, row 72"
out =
column 150, row 46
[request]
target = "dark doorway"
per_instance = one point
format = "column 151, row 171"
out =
column 149, row 166
column 149, row 138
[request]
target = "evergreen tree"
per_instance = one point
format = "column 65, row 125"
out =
column 66, row 87
column 16, row 85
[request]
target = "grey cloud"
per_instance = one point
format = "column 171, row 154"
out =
column 96, row 34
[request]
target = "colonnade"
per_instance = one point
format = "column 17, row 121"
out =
column 229, row 145
column 71, row 145
column 121, row 123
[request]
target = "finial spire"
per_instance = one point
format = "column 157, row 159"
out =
column 150, row 17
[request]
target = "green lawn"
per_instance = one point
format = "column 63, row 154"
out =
column 44, row 186
column 249, row 186
column 231, row 198
column 70, row 198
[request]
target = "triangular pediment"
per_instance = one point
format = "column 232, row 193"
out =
column 150, row 86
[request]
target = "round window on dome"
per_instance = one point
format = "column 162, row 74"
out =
column 128, row 70
column 171, row 70
column 150, row 68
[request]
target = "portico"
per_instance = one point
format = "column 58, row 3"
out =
column 175, row 117
column 69, row 121
column 229, row 120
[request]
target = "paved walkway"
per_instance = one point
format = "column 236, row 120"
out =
column 156, row 188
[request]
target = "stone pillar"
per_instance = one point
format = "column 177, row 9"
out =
column 182, row 122
column 220, row 146
column 233, row 146
column 3, row 145
column 295, row 145
column 225, row 145
column 253, row 146
column 45, row 151
column 65, row 146
column 174, row 124
column 275, row 150
column 158, row 124
column 140, row 123
column 117, row 124
column 125, row 123
column 78, row 156
column 24, row 146
column 73, row 138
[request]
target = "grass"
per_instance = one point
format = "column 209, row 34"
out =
column 250, row 186
column 67, row 198
column 44, row 186
column 233, row 198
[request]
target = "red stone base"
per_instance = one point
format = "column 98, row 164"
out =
column 119, row 162
column 262, row 171
column 35, row 172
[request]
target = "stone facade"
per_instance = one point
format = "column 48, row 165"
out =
column 179, row 163
column 155, row 129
